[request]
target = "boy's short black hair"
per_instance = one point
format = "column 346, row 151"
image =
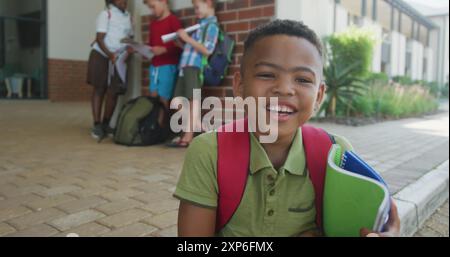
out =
column 283, row 27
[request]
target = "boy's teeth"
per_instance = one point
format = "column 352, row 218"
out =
column 281, row 109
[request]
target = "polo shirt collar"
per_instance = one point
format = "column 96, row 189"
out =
column 114, row 8
column 295, row 162
column 208, row 19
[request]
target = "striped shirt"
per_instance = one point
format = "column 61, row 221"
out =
column 190, row 56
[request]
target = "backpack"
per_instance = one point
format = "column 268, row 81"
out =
column 234, row 160
column 215, row 68
column 138, row 123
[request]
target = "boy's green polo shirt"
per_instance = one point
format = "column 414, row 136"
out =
column 275, row 202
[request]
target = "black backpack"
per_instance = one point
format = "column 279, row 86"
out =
column 139, row 125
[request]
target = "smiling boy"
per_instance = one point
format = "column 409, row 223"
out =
column 282, row 59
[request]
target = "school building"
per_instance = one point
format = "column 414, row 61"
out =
column 44, row 44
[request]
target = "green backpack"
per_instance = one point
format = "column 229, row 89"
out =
column 138, row 123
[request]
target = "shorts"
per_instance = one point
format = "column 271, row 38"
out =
column 162, row 80
column 97, row 75
column 187, row 82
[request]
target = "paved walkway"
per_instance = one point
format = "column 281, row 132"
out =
column 55, row 180
column 437, row 224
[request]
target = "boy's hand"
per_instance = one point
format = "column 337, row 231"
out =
column 113, row 58
column 183, row 35
column 179, row 43
column 393, row 225
column 130, row 50
column 310, row 233
column 159, row 50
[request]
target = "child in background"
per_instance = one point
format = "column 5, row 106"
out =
column 163, row 70
column 113, row 25
column 202, row 43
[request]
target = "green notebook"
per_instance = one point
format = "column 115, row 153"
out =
column 352, row 201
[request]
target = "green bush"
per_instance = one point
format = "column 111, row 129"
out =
column 342, row 88
column 403, row 80
column 352, row 46
column 395, row 101
column 377, row 78
column 348, row 65
column 444, row 91
column 364, row 106
column 434, row 88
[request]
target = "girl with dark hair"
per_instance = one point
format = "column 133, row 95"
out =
column 113, row 25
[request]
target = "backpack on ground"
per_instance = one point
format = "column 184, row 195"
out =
column 234, row 160
column 139, row 123
column 215, row 68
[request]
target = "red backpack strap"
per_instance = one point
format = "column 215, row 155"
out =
column 233, row 160
column 317, row 143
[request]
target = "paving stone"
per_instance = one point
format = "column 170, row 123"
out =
column 161, row 206
column 6, row 229
column 163, row 220
column 91, row 229
column 50, row 201
column 7, row 214
column 59, row 190
column 81, row 204
column 76, row 219
column 133, row 230
column 437, row 224
column 118, row 206
column 41, row 230
column 35, row 218
column 168, row 232
column 19, row 200
column 124, row 218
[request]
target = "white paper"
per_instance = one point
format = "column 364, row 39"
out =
column 144, row 50
column 172, row 36
column 121, row 66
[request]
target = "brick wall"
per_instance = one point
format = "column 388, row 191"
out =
column 67, row 81
column 236, row 17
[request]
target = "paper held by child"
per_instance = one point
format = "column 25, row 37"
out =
column 144, row 50
column 172, row 36
column 355, row 196
column 121, row 66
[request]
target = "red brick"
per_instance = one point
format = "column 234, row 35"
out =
column 242, row 37
column 228, row 16
column 238, row 26
column 239, row 48
column 254, row 24
column 237, row 4
column 251, row 13
column 269, row 11
column 261, row 2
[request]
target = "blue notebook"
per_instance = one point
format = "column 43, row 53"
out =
column 352, row 162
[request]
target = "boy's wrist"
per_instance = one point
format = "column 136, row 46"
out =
column 189, row 40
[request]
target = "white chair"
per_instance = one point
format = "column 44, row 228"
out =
column 14, row 85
